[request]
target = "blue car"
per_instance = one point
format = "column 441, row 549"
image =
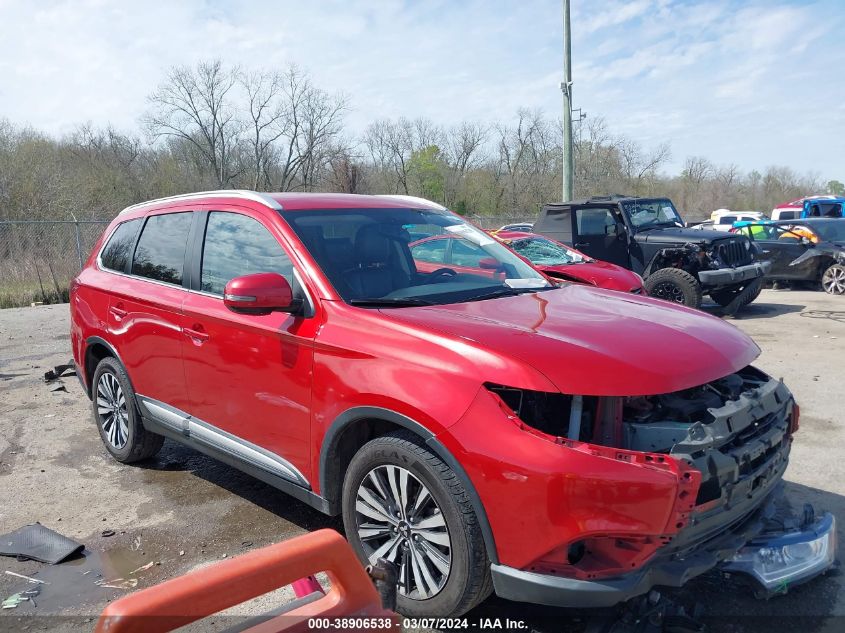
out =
column 824, row 208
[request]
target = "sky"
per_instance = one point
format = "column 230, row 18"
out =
column 751, row 83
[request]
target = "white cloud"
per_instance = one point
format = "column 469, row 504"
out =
column 730, row 79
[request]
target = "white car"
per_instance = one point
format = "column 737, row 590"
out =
column 725, row 221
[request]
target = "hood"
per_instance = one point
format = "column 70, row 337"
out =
column 675, row 234
column 588, row 341
column 597, row 273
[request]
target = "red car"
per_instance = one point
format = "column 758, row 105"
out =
column 482, row 428
column 564, row 262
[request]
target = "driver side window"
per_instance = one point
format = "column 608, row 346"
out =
column 237, row 245
column 467, row 254
column 433, row 251
column 595, row 221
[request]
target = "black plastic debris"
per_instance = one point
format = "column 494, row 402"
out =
column 37, row 542
column 58, row 371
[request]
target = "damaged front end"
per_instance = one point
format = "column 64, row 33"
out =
column 726, row 444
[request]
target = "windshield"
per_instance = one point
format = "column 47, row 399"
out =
column 646, row 213
column 400, row 257
column 542, row 252
column 831, row 231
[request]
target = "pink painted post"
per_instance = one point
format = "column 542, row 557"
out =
column 306, row 586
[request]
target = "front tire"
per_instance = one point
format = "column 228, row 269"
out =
column 117, row 417
column 402, row 503
column 725, row 296
column 675, row 285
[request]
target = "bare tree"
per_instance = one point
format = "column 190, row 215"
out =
column 194, row 105
column 266, row 121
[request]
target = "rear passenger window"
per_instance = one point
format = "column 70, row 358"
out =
column 237, row 245
column 160, row 254
column 118, row 250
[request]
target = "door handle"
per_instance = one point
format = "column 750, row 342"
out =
column 118, row 311
column 196, row 333
column 580, row 244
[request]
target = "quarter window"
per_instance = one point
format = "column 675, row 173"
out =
column 118, row 250
column 237, row 245
column 160, row 254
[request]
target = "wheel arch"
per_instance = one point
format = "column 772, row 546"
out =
column 96, row 349
column 355, row 427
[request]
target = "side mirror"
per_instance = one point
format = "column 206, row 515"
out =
column 261, row 293
column 489, row 263
column 806, row 241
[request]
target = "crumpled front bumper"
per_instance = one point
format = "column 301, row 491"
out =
column 667, row 570
column 726, row 276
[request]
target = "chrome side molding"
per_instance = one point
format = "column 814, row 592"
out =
column 194, row 430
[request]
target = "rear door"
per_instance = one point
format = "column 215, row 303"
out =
column 249, row 375
column 145, row 308
column 600, row 233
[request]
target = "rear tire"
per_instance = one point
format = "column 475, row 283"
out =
column 833, row 279
column 395, row 475
column 675, row 285
column 117, row 417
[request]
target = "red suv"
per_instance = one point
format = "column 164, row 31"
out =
column 482, row 428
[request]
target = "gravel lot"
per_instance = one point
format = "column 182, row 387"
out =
column 184, row 510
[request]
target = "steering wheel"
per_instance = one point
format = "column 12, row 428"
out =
column 442, row 272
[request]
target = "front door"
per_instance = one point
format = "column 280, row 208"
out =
column 249, row 376
column 600, row 233
column 782, row 247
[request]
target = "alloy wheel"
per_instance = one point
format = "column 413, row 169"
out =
column 398, row 519
column 668, row 292
column 833, row 280
column 112, row 411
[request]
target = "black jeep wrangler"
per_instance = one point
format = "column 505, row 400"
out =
column 647, row 235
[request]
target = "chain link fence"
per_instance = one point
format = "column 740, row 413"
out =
column 39, row 258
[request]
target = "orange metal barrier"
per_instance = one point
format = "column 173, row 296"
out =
column 207, row 591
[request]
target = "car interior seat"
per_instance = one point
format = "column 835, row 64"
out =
column 378, row 268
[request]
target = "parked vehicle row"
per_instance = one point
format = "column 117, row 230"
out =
column 473, row 421
column 648, row 236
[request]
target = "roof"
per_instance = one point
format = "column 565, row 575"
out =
column 799, row 203
column 804, row 221
column 515, row 235
column 292, row 201
column 613, row 198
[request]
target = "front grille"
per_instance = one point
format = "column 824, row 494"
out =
column 733, row 252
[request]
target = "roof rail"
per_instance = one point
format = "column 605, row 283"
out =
column 255, row 196
column 612, row 196
column 416, row 199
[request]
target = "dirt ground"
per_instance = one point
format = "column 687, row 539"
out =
column 184, row 510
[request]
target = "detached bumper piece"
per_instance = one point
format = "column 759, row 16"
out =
column 782, row 560
column 736, row 275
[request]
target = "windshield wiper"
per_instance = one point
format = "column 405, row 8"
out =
column 508, row 292
column 387, row 302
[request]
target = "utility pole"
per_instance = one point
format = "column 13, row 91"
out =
column 566, row 88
